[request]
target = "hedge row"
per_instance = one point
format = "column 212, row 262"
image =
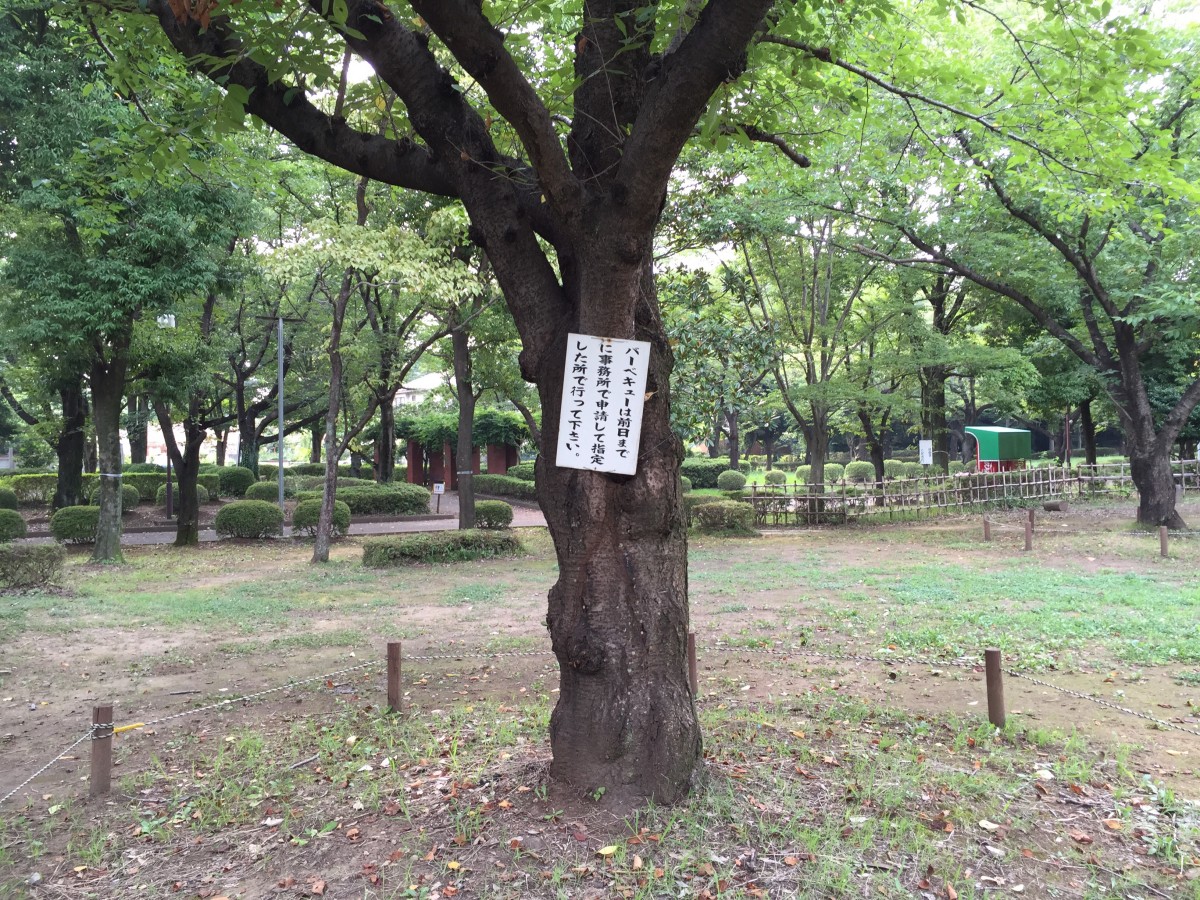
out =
column 307, row 515
column 12, row 526
column 524, row 471
column 30, row 565
column 703, row 472
column 505, row 486
column 383, row 499
column 440, row 546
column 249, row 519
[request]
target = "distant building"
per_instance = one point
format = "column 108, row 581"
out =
column 419, row 388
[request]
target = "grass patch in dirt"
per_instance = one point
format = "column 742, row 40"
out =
column 821, row 796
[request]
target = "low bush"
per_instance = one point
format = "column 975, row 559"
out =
column 859, row 472
column 731, row 480
column 160, row 496
column 32, row 490
column 692, row 501
column 893, row 468
column 703, row 472
column 524, row 471
column 439, row 546
column 308, row 512
column 834, row 472
column 803, row 473
column 268, row 491
column 12, row 526
column 916, row 470
column 209, row 469
column 249, row 519
column 75, row 524
column 8, row 498
column 233, row 480
column 685, row 483
column 312, row 469
column 144, row 467
column 493, row 514
column 293, row 484
column 957, row 467
column 380, row 499
column 147, row 483
column 268, row 472
column 211, row 483
column 30, row 565
column 130, row 498
column 774, row 476
column 505, row 486
column 725, row 515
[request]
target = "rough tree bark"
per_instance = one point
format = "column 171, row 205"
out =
column 464, row 389
column 71, row 444
column 1087, row 430
column 137, row 413
column 186, row 463
column 107, row 381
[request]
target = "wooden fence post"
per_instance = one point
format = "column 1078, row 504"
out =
column 987, row 528
column 1162, row 541
column 1028, row 534
column 1029, row 513
column 995, row 686
column 693, row 669
column 100, row 781
column 393, row 676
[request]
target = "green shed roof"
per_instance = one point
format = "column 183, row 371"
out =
column 1002, row 443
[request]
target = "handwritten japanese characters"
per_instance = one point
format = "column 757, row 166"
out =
column 604, row 389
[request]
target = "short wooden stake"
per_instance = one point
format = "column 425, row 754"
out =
column 995, row 686
column 1029, row 513
column 987, row 528
column 1162, row 541
column 1028, row 535
column 693, row 669
column 393, row 676
column 100, row 781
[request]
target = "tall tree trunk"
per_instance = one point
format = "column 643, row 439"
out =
column 618, row 614
column 70, row 445
column 314, row 445
column 186, row 463
column 222, row 445
column 137, row 415
column 714, row 446
column 731, row 419
column 247, row 426
column 108, row 387
column 1087, row 432
column 333, row 451
column 933, row 414
column 385, row 443
column 464, row 387
column 874, row 445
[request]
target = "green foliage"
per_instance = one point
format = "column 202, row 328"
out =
column 30, row 565
column 493, row 514
column 234, row 480
column 307, row 514
column 915, row 470
column 147, row 483
column 130, row 498
column 268, row 472
column 160, row 496
column 380, row 500
column 209, row 469
column 505, row 486
column 725, row 515
column 894, row 468
column 8, row 498
column 249, row 519
column 803, row 474
column 12, row 526
column 269, row 491
column 495, row 426
column 75, row 524
column 685, row 483
column 211, row 482
column 144, row 467
column 439, row 546
column 859, row 472
column 833, row 472
column 703, row 471
column 32, row 490
column 692, row 501
column 731, row 480
column 524, row 471
column 304, row 469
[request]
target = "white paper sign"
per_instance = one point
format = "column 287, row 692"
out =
column 926, row 450
column 604, row 389
column 439, row 487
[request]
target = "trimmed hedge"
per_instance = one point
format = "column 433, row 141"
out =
column 32, row 490
column 524, row 471
column 774, row 476
column 308, row 512
column 233, row 480
column 493, row 514
column 144, row 467
column 439, row 546
column 249, row 519
column 12, row 526
column 30, row 565
column 268, row 472
column 860, row 472
column 130, row 498
column 8, row 498
column 803, row 473
column 505, row 486
column 731, row 480
column 833, row 472
column 692, row 501
column 893, row 468
column 685, row 483
column 310, row 469
column 147, row 483
column 75, row 524
column 160, row 496
column 380, row 499
column 703, row 472
column 725, row 515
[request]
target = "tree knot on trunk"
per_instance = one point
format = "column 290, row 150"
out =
column 580, row 651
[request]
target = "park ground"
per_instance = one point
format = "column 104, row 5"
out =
column 847, row 747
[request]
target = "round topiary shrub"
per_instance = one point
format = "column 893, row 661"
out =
column 160, row 498
column 75, row 524
column 731, row 480
column 803, row 473
column 308, row 512
column 893, row 468
column 130, row 497
column 267, row 490
column 685, row 483
column 524, row 471
column 774, row 476
column 8, row 498
column 492, row 514
column 957, row 467
column 833, row 472
column 144, row 467
column 859, row 472
column 209, row 469
column 12, row 526
column 249, row 519
column 234, row 480
column 916, row 470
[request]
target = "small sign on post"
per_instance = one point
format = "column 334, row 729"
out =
column 604, row 392
column 439, row 488
column 926, row 450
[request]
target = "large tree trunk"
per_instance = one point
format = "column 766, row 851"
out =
column 933, row 414
column 464, row 387
column 186, row 463
column 247, row 425
column 314, row 443
column 108, row 386
column 222, row 445
column 731, row 419
column 1152, row 475
column 385, row 443
column 333, row 452
column 70, row 446
column 137, row 414
column 618, row 614
column 1087, row 431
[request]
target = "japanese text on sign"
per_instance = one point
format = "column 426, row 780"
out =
column 604, row 387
